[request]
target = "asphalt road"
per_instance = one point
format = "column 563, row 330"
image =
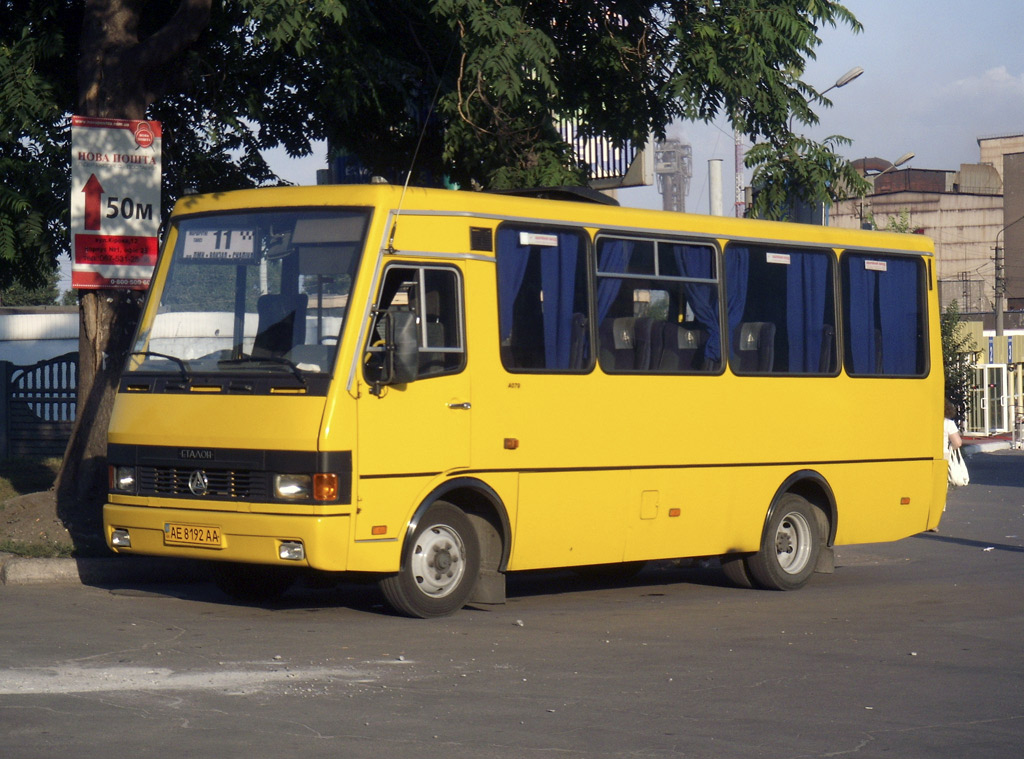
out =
column 911, row 649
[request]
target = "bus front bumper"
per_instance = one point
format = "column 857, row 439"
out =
column 318, row 542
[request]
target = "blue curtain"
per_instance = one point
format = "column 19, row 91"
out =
column 807, row 283
column 698, row 262
column 861, row 291
column 558, row 281
column 511, row 259
column 558, row 266
column 899, row 315
column 737, row 271
column 883, row 321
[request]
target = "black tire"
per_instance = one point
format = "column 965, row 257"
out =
column 734, row 567
column 440, row 565
column 252, row 583
column 790, row 546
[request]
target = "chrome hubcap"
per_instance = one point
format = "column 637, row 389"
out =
column 438, row 561
column 793, row 543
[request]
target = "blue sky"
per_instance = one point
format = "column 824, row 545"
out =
column 938, row 74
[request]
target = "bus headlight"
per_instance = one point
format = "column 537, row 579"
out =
column 293, row 486
column 122, row 479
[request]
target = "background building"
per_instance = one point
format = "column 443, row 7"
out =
column 965, row 212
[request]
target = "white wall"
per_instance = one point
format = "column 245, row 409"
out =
column 27, row 338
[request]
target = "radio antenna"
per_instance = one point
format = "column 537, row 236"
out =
column 416, row 152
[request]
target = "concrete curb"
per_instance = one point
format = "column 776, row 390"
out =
column 16, row 570
column 996, row 445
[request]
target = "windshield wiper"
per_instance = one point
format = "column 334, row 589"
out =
column 185, row 376
column 280, row 360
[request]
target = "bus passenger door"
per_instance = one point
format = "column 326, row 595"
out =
column 421, row 427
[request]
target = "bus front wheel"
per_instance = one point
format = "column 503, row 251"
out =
column 790, row 546
column 440, row 565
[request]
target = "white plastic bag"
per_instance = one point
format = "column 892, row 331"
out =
column 958, row 474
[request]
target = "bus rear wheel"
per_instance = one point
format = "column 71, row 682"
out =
column 734, row 567
column 440, row 565
column 790, row 546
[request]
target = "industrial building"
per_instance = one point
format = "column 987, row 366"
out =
column 972, row 215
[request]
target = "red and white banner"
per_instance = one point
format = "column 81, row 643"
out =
column 115, row 202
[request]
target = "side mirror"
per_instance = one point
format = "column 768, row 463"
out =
column 399, row 357
column 403, row 348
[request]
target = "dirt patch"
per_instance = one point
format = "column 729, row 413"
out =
column 31, row 520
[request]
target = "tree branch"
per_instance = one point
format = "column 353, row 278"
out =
column 184, row 28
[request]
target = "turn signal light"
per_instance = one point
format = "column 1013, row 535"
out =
column 325, row 486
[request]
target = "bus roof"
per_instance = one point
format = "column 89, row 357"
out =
column 504, row 206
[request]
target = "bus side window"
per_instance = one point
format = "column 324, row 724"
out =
column 782, row 311
column 434, row 294
column 543, row 310
column 657, row 306
column 885, row 321
column 441, row 335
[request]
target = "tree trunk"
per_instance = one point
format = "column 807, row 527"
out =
column 107, row 320
column 119, row 76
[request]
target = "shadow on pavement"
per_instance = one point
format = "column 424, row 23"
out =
column 967, row 542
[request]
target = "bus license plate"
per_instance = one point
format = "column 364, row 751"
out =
column 204, row 535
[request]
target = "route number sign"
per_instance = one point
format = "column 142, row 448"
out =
column 115, row 202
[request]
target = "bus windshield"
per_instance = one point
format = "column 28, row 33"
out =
column 262, row 291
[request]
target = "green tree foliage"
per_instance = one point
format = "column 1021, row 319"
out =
column 475, row 85
column 899, row 223
column 626, row 70
column 17, row 294
column 35, row 85
column 790, row 168
column 957, row 359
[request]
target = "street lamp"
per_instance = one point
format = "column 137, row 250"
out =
column 842, row 81
column 864, row 163
column 898, row 162
column 845, row 79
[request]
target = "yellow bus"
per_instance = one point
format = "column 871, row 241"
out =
column 437, row 388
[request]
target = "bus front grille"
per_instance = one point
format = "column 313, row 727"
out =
column 173, row 482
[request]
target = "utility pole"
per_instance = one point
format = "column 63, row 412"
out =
column 740, row 195
column 1000, row 281
column 1000, row 286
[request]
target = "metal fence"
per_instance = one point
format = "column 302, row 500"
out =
column 38, row 406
